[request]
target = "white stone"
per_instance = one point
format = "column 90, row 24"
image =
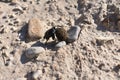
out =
column 73, row 33
column 36, row 74
column 33, row 52
column 60, row 44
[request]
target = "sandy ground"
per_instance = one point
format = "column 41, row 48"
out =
column 94, row 56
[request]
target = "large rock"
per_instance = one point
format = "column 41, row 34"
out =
column 33, row 52
column 35, row 29
column 73, row 33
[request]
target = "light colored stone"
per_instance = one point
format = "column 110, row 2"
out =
column 36, row 74
column 18, row 8
column 5, row 30
column 35, row 29
column 60, row 44
column 103, row 39
column 21, row 79
column 33, row 52
column 11, row 15
column 14, row 29
column 8, row 63
column 73, row 33
column 14, row 2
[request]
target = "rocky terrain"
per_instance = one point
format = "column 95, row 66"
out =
column 92, row 54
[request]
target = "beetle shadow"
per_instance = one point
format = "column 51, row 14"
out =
column 49, row 45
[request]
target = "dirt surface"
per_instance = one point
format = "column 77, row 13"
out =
column 94, row 56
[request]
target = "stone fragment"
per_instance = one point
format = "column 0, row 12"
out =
column 4, row 30
column 104, row 67
column 33, row 52
column 14, row 29
column 11, row 15
column 102, row 40
column 18, row 8
column 60, row 44
column 35, row 29
column 36, row 74
column 73, row 33
column 8, row 62
column 21, row 79
column 14, row 2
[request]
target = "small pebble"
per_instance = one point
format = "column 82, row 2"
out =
column 14, row 2
column 36, row 74
column 60, row 44
column 11, row 16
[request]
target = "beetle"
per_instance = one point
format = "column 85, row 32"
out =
column 60, row 33
column 49, row 33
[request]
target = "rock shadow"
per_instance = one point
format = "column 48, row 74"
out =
column 29, row 76
column 38, row 44
column 116, row 68
column 82, row 7
column 5, row 1
column 24, row 59
column 49, row 45
column 104, row 29
column 101, row 28
column 79, row 20
column 118, row 50
column 23, row 33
